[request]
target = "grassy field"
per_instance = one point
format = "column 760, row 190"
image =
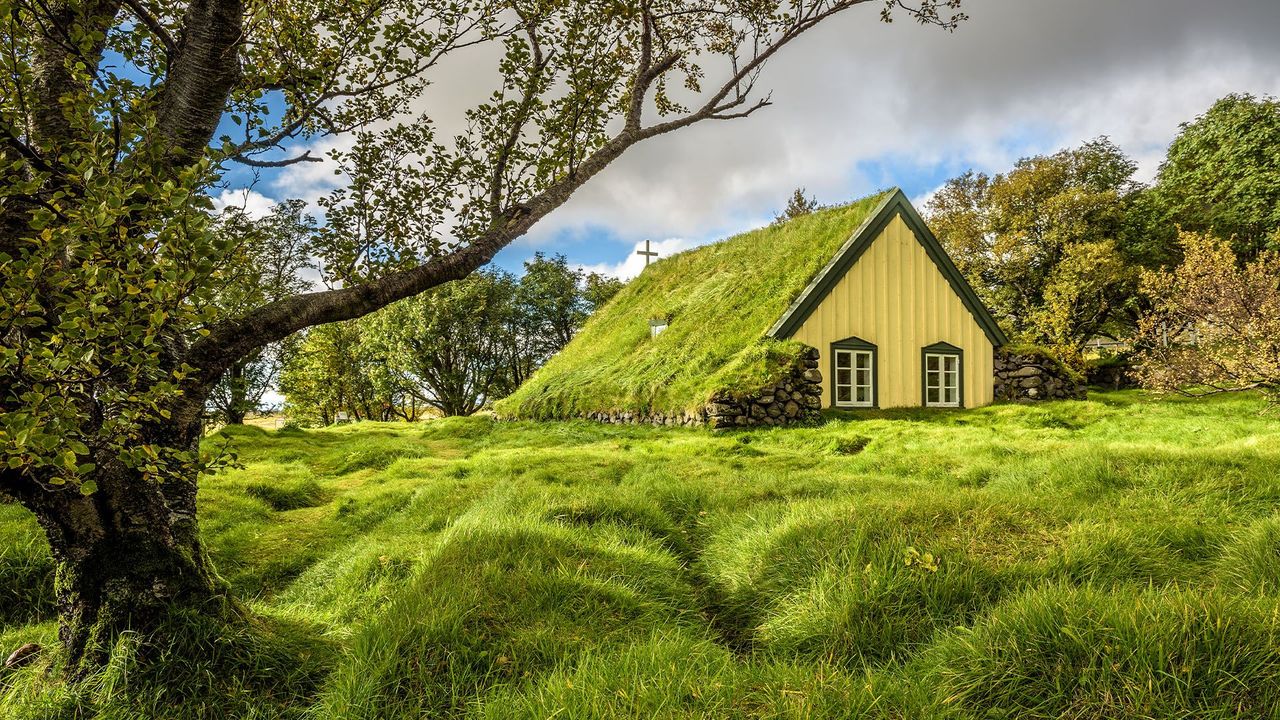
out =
column 1113, row 558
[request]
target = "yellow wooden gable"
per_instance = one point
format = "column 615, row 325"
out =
column 896, row 323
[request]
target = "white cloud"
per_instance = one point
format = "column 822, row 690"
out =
column 251, row 202
column 860, row 105
column 310, row 181
column 1018, row 78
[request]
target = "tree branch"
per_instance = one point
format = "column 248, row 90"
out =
column 157, row 29
column 251, row 162
column 204, row 70
column 228, row 340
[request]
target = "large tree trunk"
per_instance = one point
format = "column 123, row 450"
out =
column 126, row 556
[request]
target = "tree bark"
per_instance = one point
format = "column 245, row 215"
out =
column 126, row 556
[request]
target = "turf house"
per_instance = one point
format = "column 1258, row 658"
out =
column 852, row 307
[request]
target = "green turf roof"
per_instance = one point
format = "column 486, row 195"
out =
column 720, row 301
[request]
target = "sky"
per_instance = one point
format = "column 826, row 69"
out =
column 861, row 106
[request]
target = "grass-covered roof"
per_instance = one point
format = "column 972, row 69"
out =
column 720, row 301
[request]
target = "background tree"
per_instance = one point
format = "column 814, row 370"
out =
column 1046, row 244
column 1215, row 323
column 337, row 369
column 448, row 345
column 599, row 289
column 453, row 348
column 1222, row 176
column 265, row 264
column 112, row 338
column 550, row 296
column 799, row 204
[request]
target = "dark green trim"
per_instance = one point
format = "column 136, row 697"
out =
column 822, row 283
column 894, row 204
column 857, row 343
column 940, row 348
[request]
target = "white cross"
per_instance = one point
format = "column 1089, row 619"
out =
column 647, row 253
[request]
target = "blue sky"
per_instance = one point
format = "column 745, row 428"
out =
column 861, row 106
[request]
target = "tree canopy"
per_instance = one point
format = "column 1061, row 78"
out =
column 1222, row 176
column 117, row 116
column 1044, row 244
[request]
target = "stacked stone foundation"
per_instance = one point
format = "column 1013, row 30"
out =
column 795, row 399
column 1028, row 378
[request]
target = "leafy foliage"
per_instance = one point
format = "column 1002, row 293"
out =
column 1215, row 324
column 334, row 371
column 1045, row 245
column 452, row 349
column 266, row 264
column 1222, row 176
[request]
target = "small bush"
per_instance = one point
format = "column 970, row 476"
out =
column 1047, row 357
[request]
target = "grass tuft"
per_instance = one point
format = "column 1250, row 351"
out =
column 1084, row 653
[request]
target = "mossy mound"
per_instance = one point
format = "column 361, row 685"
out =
column 718, row 301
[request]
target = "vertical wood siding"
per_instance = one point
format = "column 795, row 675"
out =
column 896, row 298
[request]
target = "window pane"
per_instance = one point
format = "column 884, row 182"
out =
column 931, row 362
column 842, row 394
column 864, row 377
column 864, row 360
column 864, row 395
column 951, row 395
column 842, row 359
column 932, row 379
column 842, row 377
column 931, row 395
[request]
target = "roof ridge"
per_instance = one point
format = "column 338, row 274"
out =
column 894, row 203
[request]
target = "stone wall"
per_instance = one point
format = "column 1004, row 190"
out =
column 1112, row 376
column 796, row 398
column 1034, row 377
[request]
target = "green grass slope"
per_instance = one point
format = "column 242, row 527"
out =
column 720, row 301
column 1115, row 558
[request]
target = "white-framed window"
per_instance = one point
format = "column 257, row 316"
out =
column 941, row 379
column 854, row 380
